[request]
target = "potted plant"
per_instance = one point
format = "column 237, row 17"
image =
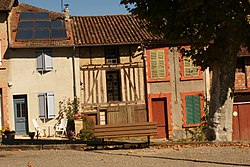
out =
column 32, row 135
column 7, row 133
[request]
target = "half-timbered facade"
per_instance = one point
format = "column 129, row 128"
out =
column 112, row 72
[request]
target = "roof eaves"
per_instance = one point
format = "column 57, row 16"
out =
column 32, row 47
column 115, row 44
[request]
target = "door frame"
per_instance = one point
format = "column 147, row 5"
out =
column 24, row 96
column 167, row 97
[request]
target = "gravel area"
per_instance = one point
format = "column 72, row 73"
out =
column 184, row 157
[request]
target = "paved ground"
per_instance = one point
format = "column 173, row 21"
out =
column 184, row 157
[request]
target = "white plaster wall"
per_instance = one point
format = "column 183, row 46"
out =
column 26, row 80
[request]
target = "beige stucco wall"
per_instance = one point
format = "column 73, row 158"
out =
column 26, row 80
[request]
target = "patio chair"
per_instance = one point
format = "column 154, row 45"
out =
column 61, row 128
column 40, row 130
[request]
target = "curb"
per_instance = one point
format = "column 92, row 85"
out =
column 79, row 147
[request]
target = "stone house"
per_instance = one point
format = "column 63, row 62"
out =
column 40, row 72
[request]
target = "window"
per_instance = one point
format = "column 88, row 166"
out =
column 44, row 60
column 192, row 108
column 113, row 85
column 46, row 105
column 157, row 65
column 112, row 55
column 189, row 70
column 193, row 115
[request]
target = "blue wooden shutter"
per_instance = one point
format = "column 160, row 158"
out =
column 39, row 60
column 48, row 60
column 193, row 115
column 189, row 110
column 50, row 105
column 197, row 108
column 42, row 105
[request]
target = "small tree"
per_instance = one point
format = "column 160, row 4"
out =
column 69, row 109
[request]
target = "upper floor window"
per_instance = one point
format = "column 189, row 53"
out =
column 112, row 55
column 157, row 63
column 44, row 60
column 189, row 70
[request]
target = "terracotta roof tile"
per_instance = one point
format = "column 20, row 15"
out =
column 37, row 43
column 108, row 30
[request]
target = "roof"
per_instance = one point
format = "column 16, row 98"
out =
column 6, row 5
column 14, row 19
column 109, row 30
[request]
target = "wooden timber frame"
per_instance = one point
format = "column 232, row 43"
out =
column 94, row 92
column 126, row 130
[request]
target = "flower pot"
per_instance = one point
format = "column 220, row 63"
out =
column 32, row 135
column 9, row 135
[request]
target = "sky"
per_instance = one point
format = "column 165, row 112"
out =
column 81, row 7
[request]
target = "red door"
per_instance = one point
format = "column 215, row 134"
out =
column 159, row 108
column 241, row 122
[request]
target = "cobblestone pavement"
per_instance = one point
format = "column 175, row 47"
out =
column 147, row 157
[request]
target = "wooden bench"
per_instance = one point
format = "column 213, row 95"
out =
column 126, row 130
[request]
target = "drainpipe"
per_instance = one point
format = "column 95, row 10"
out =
column 74, row 73
column 145, row 84
column 175, row 79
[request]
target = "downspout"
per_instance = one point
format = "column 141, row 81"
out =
column 145, row 84
column 175, row 79
column 8, row 35
column 74, row 73
column 145, row 79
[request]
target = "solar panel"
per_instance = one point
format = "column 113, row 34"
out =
column 58, row 34
column 26, row 16
column 24, row 35
column 42, row 16
column 56, row 24
column 25, row 25
column 38, row 26
column 41, row 34
column 41, row 24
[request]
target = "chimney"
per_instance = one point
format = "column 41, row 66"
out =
column 66, row 12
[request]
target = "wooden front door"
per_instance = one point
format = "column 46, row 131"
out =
column 241, row 121
column 21, row 115
column 159, row 108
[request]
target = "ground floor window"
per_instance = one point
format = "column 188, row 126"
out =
column 193, row 110
column 113, row 85
column 46, row 105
